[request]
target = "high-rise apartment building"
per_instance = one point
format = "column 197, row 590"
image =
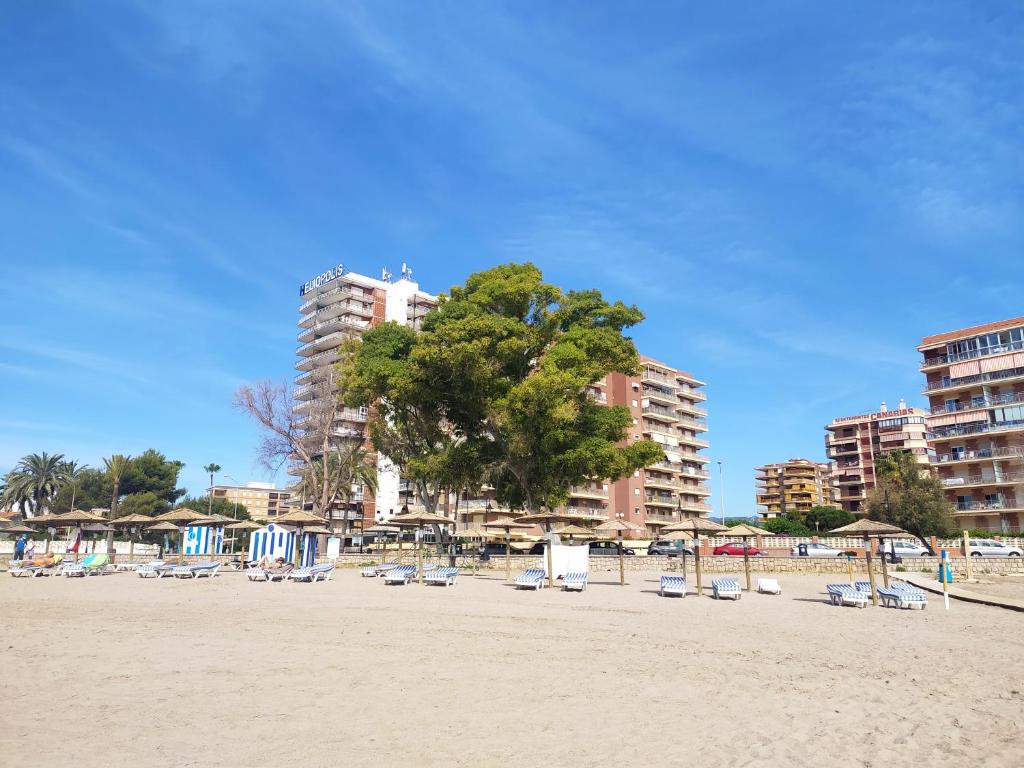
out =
column 854, row 442
column 263, row 501
column 974, row 381
column 793, row 487
column 335, row 306
column 665, row 405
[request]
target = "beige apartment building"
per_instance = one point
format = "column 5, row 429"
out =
column 793, row 487
column 974, row 381
column 854, row 442
column 338, row 305
column 263, row 501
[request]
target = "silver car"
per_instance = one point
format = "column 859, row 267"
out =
column 993, row 548
column 812, row 549
column 903, row 548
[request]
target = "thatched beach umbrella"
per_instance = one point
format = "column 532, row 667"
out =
column 15, row 529
column 45, row 520
column 867, row 529
column 574, row 531
column 744, row 532
column 384, row 530
column 75, row 518
column 242, row 525
column 419, row 520
column 162, row 527
column 507, row 524
column 473, row 533
column 181, row 518
column 132, row 523
column 695, row 526
column 618, row 526
column 546, row 517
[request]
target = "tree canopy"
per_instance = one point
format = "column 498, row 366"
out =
column 822, row 519
column 910, row 496
column 220, row 506
column 496, row 384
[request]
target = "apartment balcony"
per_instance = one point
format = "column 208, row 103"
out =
column 991, row 401
column 312, row 362
column 652, row 393
column 836, row 451
column 649, row 374
column 1007, row 376
column 954, row 431
column 652, row 481
column 598, row 513
column 694, row 472
column 326, row 327
column 597, row 395
column 332, row 295
column 660, row 413
column 667, row 501
column 698, row 425
column 693, row 457
column 587, row 492
column 694, row 441
column 699, row 507
column 696, row 490
column 1001, row 504
column 323, row 343
column 969, row 481
column 981, row 454
column 848, row 480
column 940, row 360
column 691, row 409
column 692, row 393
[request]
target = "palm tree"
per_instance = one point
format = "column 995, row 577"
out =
column 212, row 469
column 116, row 467
column 34, row 482
column 72, row 472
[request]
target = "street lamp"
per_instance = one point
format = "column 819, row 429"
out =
column 721, row 487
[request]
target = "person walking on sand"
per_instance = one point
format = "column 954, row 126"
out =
column 19, row 547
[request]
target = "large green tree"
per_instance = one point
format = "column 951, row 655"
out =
column 219, row 506
column 910, row 496
column 510, row 357
column 34, row 482
column 152, row 471
column 823, row 519
column 145, row 503
column 91, row 489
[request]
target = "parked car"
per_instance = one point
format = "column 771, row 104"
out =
column 811, row 549
column 669, row 548
column 609, row 548
column 734, row 548
column 993, row 548
column 895, row 549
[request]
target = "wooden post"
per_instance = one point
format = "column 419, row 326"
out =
column 746, row 561
column 181, row 545
column 551, row 575
column 967, row 555
column 871, row 572
column 622, row 566
column 849, row 566
column 419, row 558
column 885, row 569
column 696, row 561
column 508, row 558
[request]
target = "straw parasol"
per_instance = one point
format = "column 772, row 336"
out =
column 574, row 531
column 618, row 526
column 473, row 533
column 132, row 523
column 384, row 530
column 162, row 526
column 419, row 520
column 75, row 518
column 545, row 517
column 867, row 529
column 695, row 526
column 507, row 524
column 744, row 532
column 16, row 528
column 181, row 517
column 300, row 519
column 46, row 519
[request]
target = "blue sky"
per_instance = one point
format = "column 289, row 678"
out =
column 793, row 193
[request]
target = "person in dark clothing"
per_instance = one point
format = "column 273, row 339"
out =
column 19, row 547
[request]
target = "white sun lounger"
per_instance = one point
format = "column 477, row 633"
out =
column 722, row 588
column 847, row 594
column 898, row 594
column 373, row 571
column 769, row 587
column 197, row 570
column 672, row 585
column 313, row 573
column 531, row 578
column 400, row 575
column 257, row 574
column 445, row 576
column 155, row 570
column 27, row 571
column 574, row 581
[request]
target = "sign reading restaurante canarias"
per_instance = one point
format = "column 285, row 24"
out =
column 331, row 274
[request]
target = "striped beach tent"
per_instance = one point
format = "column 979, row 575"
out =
column 204, row 540
column 276, row 541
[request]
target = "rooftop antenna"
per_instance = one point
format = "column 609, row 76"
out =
column 385, row 275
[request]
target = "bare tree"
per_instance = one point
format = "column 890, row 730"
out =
column 305, row 431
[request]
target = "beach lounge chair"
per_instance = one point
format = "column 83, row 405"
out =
column 847, row 594
column 900, row 595
column 156, row 569
column 769, row 587
column 722, row 588
column 531, row 578
column 39, row 566
column 373, row 571
column 444, row 576
column 88, row 566
column 196, row 570
column 672, row 585
column 575, row 581
column 400, row 575
column 281, row 572
column 257, row 574
column 313, row 573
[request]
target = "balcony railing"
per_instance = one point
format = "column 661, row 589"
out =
column 972, row 506
column 985, row 402
column 1008, row 452
column 993, row 479
column 977, row 378
column 974, row 354
column 337, row 289
column 660, row 410
column 957, row 430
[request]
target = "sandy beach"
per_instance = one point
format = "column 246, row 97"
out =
column 121, row 671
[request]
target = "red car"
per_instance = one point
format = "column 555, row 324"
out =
column 736, row 548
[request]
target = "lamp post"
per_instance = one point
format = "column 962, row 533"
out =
column 721, row 488
column 234, row 510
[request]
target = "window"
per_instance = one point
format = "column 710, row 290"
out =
column 634, row 403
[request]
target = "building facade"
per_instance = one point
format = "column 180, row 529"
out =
column 665, row 404
column 336, row 306
column 852, row 443
column 974, row 381
column 793, row 487
column 263, row 501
